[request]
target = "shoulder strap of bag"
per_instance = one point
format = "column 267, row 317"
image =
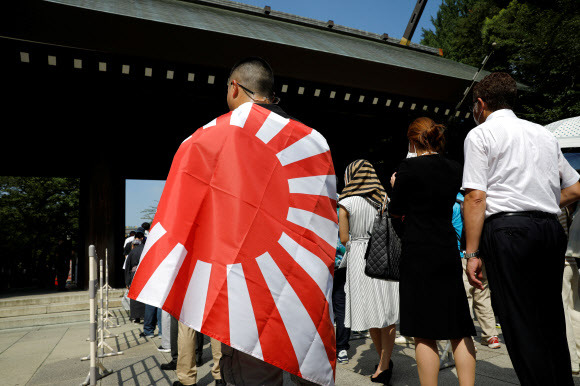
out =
column 383, row 207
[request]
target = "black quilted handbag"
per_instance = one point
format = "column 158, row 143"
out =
column 383, row 254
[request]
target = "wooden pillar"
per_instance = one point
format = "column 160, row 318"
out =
column 102, row 218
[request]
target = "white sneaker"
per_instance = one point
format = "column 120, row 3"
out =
column 343, row 356
column 404, row 340
column 493, row 342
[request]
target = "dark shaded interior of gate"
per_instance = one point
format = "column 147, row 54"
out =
column 67, row 115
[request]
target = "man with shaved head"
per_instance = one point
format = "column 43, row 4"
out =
column 252, row 80
column 255, row 272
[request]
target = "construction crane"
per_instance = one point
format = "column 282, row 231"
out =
column 415, row 17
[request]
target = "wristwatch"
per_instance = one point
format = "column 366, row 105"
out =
column 470, row 255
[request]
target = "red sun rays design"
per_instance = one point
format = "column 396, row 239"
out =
column 242, row 245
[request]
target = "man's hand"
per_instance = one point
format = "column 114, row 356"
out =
column 393, row 178
column 474, row 274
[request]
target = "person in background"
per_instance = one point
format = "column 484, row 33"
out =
column 479, row 299
column 186, row 366
column 165, row 331
column 570, row 296
column 371, row 304
column 516, row 179
column 146, row 226
column 150, row 322
column 152, row 315
column 62, row 262
column 127, row 246
column 433, row 302
column 137, row 308
column 338, row 303
column 129, row 238
column 174, row 331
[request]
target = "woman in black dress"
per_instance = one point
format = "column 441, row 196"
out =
column 433, row 304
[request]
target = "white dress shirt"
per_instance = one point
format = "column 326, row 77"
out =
column 517, row 163
column 128, row 240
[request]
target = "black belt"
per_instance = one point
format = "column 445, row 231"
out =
column 531, row 214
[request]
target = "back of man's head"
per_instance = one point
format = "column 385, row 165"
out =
column 498, row 90
column 255, row 74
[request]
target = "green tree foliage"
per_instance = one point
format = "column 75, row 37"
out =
column 35, row 213
column 536, row 43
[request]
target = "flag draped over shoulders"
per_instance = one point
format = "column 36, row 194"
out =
column 243, row 243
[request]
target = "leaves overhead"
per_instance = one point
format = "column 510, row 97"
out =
column 536, row 43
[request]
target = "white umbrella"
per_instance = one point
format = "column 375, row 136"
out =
column 567, row 131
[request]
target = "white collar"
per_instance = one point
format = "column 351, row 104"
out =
column 501, row 114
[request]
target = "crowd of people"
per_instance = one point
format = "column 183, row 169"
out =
column 479, row 239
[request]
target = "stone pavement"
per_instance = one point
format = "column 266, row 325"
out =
column 50, row 355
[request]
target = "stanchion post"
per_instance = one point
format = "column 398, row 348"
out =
column 101, row 308
column 108, row 314
column 93, row 372
column 95, row 363
column 102, row 328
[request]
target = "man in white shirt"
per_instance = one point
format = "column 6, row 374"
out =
column 516, row 180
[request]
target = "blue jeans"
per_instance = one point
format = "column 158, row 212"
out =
column 150, row 321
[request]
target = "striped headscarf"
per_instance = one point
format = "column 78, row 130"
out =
column 361, row 179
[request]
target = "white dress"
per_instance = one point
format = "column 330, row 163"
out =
column 370, row 303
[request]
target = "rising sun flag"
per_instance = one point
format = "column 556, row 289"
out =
column 242, row 246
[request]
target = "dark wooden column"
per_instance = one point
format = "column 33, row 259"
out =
column 102, row 217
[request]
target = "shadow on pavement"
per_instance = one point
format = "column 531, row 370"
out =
column 143, row 372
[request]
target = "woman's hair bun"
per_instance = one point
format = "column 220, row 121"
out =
column 427, row 134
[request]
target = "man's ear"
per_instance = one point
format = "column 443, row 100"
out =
column 482, row 103
column 235, row 89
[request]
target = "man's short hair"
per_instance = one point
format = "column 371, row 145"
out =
column 146, row 226
column 499, row 90
column 255, row 74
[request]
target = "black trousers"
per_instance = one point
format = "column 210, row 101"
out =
column 173, row 338
column 338, row 304
column 524, row 259
column 199, row 338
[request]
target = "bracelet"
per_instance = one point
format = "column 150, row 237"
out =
column 470, row 255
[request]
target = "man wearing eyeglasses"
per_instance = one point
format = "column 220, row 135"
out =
column 252, row 80
column 516, row 180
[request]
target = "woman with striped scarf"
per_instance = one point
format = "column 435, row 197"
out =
column 371, row 304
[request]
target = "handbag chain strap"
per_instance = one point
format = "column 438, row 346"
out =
column 383, row 207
